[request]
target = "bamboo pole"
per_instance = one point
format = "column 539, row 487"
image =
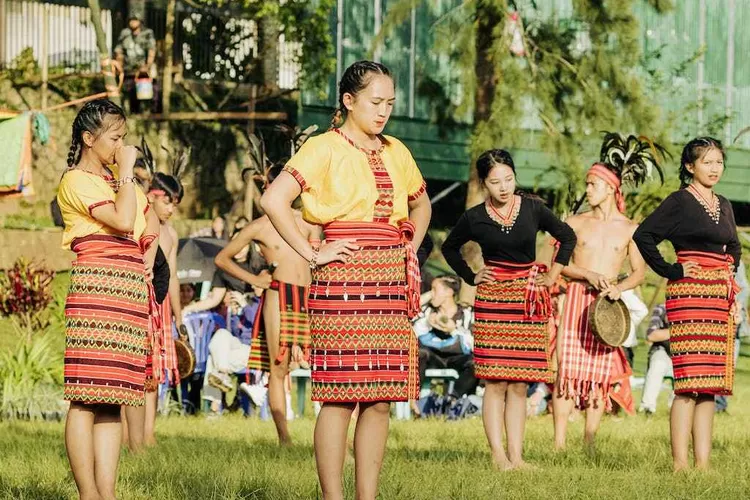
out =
column 222, row 115
column 104, row 56
column 45, row 55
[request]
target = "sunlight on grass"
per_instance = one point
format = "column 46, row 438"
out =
column 237, row 458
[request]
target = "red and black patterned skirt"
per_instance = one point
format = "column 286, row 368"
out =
column 106, row 322
column 363, row 346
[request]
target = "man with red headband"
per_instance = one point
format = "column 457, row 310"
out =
column 592, row 374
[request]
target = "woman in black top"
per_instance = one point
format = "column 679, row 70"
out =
column 512, row 307
column 700, row 225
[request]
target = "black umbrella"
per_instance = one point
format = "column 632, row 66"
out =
column 195, row 259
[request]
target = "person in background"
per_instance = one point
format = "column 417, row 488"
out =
column 445, row 338
column 135, row 51
column 217, row 230
column 740, row 323
column 659, row 360
column 638, row 312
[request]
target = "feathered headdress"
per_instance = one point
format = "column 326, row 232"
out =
column 261, row 164
column 633, row 159
column 179, row 159
column 147, row 158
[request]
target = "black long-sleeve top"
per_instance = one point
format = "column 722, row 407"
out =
column 517, row 246
column 682, row 220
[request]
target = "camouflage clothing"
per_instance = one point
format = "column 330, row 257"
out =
column 135, row 48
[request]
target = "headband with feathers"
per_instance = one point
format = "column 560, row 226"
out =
column 632, row 159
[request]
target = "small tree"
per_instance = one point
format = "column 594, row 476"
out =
column 26, row 291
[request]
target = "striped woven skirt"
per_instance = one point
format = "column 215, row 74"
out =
column 701, row 328
column 511, row 326
column 363, row 346
column 106, row 322
column 590, row 371
column 165, row 361
column 294, row 327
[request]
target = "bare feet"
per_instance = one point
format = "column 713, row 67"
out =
column 679, row 467
column 502, row 463
column 522, row 465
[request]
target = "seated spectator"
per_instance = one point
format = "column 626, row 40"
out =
column 445, row 338
column 218, row 230
column 537, row 399
column 638, row 312
column 659, row 359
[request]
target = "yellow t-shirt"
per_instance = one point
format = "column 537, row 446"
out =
column 79, row 193
column 339, row 183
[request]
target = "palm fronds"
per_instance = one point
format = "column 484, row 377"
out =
column 633, row 159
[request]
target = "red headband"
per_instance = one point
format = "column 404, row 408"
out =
column 157, row 192
column 601, row 171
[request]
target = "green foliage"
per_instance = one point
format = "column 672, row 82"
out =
column 25, row 291
column 306, row 22
column 32, row 378
column 581, row 74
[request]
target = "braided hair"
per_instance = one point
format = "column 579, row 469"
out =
column 353, row 81
column 695, row 150
column 94, row 117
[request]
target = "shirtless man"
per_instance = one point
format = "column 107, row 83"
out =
column 591, row 373
column 284, row 307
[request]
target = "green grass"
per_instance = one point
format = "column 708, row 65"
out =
column 237, row 458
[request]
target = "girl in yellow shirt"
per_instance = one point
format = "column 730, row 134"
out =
column 107, row 307
column 366, row 191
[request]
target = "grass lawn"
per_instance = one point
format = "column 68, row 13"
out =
column 237, row 458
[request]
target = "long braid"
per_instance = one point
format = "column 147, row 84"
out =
column 74, row 146
column 353, row 81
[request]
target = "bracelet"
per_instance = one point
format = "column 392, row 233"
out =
column 314, row 259
column 125, row 180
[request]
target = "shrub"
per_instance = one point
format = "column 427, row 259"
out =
column 25, row 291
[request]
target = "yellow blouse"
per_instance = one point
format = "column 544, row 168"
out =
column 341, row 182
column 79, row 193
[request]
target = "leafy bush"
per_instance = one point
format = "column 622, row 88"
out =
column 25, row 291
column 32, row 378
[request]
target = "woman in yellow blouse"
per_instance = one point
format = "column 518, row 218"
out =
column 366, row 191
column 107, row 307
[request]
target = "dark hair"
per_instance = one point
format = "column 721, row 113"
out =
column 92, row 118
column 451, row 281
column 273, row 172
column 492, row 158
column 134, row 18
column 695, row 150
column 170, row 184
column 353, row 81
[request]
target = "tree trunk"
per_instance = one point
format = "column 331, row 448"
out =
column 490, row 17
column 166, row 85
column 104, row 56
column 269, row 52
